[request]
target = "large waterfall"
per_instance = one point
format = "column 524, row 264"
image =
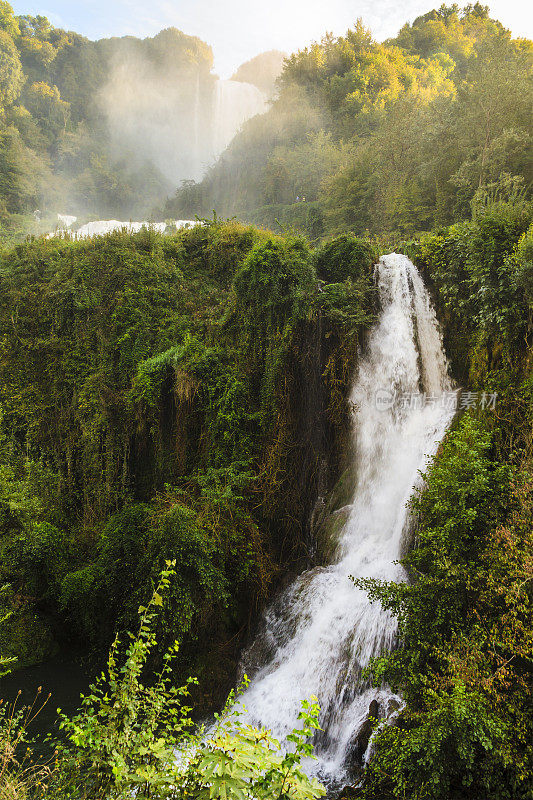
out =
column 178, row 123
column 235, row 103
column 322, row 631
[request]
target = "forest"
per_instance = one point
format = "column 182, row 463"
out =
column 177, row 411
column 101, row 129
column 376, row 138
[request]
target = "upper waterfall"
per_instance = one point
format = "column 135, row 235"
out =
column 235, row 103
column 179, row 123
column 322, row 631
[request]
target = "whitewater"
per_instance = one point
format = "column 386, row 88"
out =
column 322, row 631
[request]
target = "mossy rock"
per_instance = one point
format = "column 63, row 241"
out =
column 332, row 517
column 328, row 534
column 343, row 491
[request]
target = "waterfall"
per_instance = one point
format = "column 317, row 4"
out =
column 196, row 124
column 322, row 631
column 235, row 103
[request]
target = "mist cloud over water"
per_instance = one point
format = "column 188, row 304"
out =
column 156, row 108
column 164, row 106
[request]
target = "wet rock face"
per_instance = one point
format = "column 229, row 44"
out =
column 348, row 792
column 355, row 755
column 327, row 536
column 355, row 759
column 343, row 491
column 366, row 731
column 331, row 516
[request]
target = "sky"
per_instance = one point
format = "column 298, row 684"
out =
column 237, row 30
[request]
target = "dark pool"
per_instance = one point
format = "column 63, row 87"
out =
column 64, row 679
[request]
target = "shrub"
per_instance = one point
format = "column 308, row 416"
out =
column 133, row 739
column 344, row 257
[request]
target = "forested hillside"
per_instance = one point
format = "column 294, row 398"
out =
column 160, row 396
column 397, row 136
column 184, row 433
column 102, row 129
column 57, row 151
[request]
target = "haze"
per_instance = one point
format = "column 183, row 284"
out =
column 239, row 29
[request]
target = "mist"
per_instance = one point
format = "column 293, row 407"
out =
column 165, row 108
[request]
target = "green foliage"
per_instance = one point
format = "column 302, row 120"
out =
column 126, row 732
column 20, row 174
column 523, row 261
column 463, row 627
column 11, row 76
column 344, row 257
column 132, row 737
column 305, row 218
column 8, row 21
column 44, row 102
column 395, row 136
column 274, row 290
column 6, row 662
column 272, row 279
column 440, row 754
column 37, row 557
column 95, row 325
column 239, row 761
column 147, row 415
column 477, row 270
column 133, row 546
column 384, row 137
column 262, row 70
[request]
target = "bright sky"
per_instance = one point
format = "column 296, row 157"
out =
column 240, row 29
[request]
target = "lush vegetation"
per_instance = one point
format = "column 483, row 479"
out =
column 262, row 71
column 171, row 405
column 157, row 402
column 156, row 398
column 136, row 739
column 393, row 137
column 465, row 663
column 71, row 123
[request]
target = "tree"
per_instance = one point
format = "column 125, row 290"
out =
column 11, row 75
column 46, row 105
column 8, row 21
column 20, row 173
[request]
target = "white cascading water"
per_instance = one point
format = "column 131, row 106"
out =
column 104, row 226
column 196, row 122
column 323, row 630
column 235, row 103
column 65, row 221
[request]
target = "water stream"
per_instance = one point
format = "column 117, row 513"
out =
column 235, row 103
column 322, row 631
